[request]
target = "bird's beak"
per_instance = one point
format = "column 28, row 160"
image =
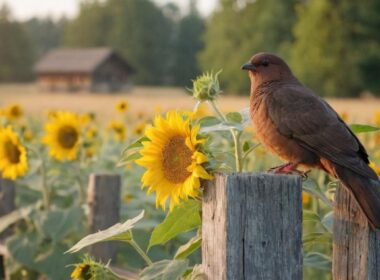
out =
column 249, row 66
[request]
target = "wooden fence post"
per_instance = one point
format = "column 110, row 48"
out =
column 7, row 205
column 252, row 227
column 356, row 247
column 104, row 201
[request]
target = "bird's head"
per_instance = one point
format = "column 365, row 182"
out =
column 265, row 67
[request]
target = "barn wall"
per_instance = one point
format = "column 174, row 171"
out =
column 112, row 75
column 65, row 82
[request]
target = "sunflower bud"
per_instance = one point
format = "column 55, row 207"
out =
column 206, row 87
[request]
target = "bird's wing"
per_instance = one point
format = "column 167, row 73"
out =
column 300, row 114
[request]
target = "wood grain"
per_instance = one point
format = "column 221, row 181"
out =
column 356, row 247
column 252, row 227
column 104, row 203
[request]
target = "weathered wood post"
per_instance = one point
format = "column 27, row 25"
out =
column 7, row 205
column 104, row 202
column 356, row 247
column 252, row 227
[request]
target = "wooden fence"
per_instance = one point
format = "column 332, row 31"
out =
column 252, row 228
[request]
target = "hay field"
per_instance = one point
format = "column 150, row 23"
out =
column 148, row 100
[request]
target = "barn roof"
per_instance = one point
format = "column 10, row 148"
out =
column 74, row 60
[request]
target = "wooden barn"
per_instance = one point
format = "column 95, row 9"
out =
column 91, row 69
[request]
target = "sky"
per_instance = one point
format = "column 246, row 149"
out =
column 24, row 9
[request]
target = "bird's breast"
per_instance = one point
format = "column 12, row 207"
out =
column 266, row 131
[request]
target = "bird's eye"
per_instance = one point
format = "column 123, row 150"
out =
column 265, row 62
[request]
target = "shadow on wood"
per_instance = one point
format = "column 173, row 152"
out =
column 252, row 227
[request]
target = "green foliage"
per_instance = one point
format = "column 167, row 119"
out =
column 241, row 28
column 16, row 52
column 187, row 45
column 120, row 232
column 183, row 218
column 137, row 29
column 44, row 34
column 363, row 128
column 190, row 247
column 164, row 270
column 330, row 37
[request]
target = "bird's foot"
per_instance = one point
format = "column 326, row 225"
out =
column 289, row 168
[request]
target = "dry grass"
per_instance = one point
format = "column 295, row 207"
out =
column 147, row 100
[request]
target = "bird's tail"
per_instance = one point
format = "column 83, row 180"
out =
column 366, row 192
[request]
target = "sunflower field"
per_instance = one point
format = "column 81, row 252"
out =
column 163, row 160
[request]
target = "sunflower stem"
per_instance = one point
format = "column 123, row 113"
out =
column 45, row 187
column 235, row 135
column 140, row 251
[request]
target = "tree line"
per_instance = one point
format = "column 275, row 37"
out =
column 332, row 46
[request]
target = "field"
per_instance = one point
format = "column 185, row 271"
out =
column 50, row 155
column 150, row 100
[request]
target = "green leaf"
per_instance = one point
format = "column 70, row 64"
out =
column 245, row 115
column 165, row 270
column 208, row 121
column 196, row 273
column 308, row 215
column 7, row 220
column 183, row 218
column 116, row 232
column 131, row 152
column 311, row 187
column 317, row 237
column 246, row 146
column 317, row 260
column 363, row 128
column 234, row 117
column 189, row 248
column 129, row 158
column 137, row 144
column 58, row 223
column 221, row 127
column 327, row 221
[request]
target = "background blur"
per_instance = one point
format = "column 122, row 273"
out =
column 332, row 46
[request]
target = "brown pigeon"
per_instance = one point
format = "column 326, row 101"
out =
column 302, row 128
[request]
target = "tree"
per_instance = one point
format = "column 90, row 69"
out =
column 137, row 29
column 241, row 28
column 141, row 33
column 16, row 54
column 188, row 44
column 336, row 46
column 45, row 33
column 90, row 27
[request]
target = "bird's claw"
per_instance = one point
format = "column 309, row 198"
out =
column 290, row 169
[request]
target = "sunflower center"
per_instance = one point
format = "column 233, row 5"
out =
column 176, row 159
column 67, row 136
column 12, row 152
column 15, row 112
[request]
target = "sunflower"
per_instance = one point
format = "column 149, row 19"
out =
column 91, row 133
column 139, row 129
column 63, row 135
column 117, row 128
column 13, row 160
column 122, row 107
column 305, row 198
column 172, row 159
column 13, row 112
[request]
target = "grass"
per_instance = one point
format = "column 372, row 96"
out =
column 149, row 100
